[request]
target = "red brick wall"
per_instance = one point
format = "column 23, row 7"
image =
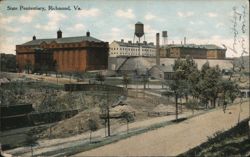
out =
column 71, row 57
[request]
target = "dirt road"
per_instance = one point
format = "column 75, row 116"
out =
column 174, row 139
column 60, row 143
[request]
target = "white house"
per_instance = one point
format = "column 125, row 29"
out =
column 121, row 48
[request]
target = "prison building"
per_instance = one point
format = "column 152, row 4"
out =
column 193, row 50
column 63, row 54
column 122, row 48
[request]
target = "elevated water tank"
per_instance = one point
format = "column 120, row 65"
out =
column 164, row 33
column 139, row 29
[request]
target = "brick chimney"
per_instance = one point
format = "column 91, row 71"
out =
column 157, row 56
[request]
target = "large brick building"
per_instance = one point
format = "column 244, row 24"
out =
column 196, row 51
column 68, row 54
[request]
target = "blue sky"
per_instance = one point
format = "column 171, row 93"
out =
column 201, row 22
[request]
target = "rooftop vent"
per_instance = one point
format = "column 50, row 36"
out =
column 59, row 34
column 87, row 33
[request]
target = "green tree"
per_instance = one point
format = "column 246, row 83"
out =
column 229, row 89
column 28, row 66
column 192, row 104
column 128, row 117
column 209, row 84
column 126, row 80
column 45, row 69
column 104, row 106
column 189, row 73
column 99, row 77
column 145, row 80
column 31, row 141
column 56, row 67
column 8, row 62
column 177, row 85
column 93, row 126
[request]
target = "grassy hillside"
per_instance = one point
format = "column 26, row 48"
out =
column 234, row 142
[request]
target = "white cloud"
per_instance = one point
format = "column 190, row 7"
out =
column 149, row 29
column 196, row 22
column 211, row 14
column 125, row 14
column 27, row 18
column 53, row 23
column 77, row 27
column 150, row 33
column 185, row 14
column 150, row 16
column 218, row 25
column 131, row 26
column 115, row 34
column 6, row 20
column 7, row 48
column 88, row 12
column 115, row 30
column 11, row 29
column 56, row 16
column 7, row 45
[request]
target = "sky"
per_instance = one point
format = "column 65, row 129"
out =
column 200, row 21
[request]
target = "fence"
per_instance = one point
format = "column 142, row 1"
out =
column 94, row 87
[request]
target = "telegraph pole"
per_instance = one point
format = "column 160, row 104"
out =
column 108, row 117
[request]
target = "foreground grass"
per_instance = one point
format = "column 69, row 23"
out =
column 234, row 142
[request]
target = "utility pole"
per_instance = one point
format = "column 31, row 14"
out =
column 108, row 117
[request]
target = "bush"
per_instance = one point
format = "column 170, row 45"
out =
column 127, row 116
column 193, row 104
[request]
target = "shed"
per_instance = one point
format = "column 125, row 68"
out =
column 162, row 72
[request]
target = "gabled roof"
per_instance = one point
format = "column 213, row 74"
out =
column 163, row 68
column 139, row 22
column 63, row 40
column 207, row 46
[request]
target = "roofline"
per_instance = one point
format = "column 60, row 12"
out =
column 54, row 39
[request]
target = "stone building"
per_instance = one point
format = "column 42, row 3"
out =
column 63, row 54
column 161, row 72
column 195, row 51
column 121, row 48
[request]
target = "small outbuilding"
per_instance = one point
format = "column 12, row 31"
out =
column 162, row 72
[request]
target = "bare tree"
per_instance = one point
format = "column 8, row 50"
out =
column 99, row 77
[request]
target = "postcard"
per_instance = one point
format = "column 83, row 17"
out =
column 124, row 78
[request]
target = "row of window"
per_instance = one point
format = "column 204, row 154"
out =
column 131, row 54
column 133, row 49
column 67, row 45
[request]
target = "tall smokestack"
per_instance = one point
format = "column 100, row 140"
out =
column 157, row 48
column 185, row 41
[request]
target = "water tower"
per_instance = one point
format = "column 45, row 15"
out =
column 165, row 37
column 139, row 30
